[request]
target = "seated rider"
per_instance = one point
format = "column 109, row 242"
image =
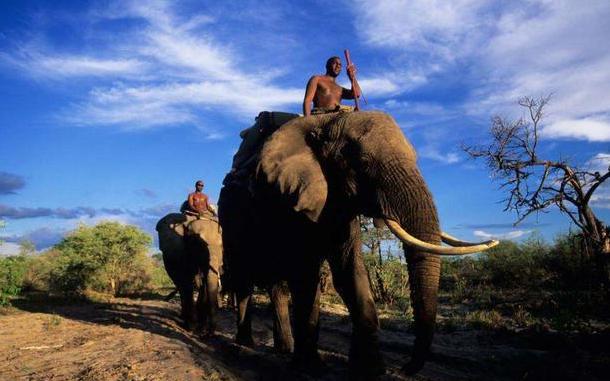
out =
column 197, row 202
column 324, row 91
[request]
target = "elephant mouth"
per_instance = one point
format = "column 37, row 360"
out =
column 457, row 246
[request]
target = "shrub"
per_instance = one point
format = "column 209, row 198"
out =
column 158, row 275
column 38, row 272
column 531, row 264
column 108, row 257
column 484, row 319
column 389, row 280
column 12, row 270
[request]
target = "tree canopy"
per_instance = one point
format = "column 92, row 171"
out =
column 108, row 256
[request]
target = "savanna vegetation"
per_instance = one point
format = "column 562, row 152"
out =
column 108, row 258
column 531, row 304
column 529, row 285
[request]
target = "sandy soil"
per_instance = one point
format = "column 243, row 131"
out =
column 130, row 339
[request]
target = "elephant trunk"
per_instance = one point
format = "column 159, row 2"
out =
column 405, row 198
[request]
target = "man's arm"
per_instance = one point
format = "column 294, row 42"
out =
column 355, row 90
column 310, row 92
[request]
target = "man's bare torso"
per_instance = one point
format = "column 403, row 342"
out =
column 323, row 91
column 328, row 93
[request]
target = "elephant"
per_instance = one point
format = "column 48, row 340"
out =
column 315, row 175
column 236, row 220
column 192, row 255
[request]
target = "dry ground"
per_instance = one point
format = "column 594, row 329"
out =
column 140, row 339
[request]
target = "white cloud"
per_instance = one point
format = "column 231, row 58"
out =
column 41, row 65
column 170, row 70
column 510, row 50
column 583, row 129
column 599, row 163
column 9, row 248
column 554, row 47
column 214, row 136
column 504, row 236
column 432, row 152
column 378, row 86
column 421, row 38
column 175, row 103
column 393, row 83
column 427, row 26
column 601, row 199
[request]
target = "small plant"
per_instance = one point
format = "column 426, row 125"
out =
column 53, row 321
column 450, row 323
column 522, row 318
column 12, row 270
column 485, row 319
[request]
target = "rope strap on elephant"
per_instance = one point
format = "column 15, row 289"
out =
column 330, row 110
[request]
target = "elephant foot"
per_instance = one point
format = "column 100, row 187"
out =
column 366, row 370
column 365, row 360
column 415, row 365
column 188, row 326
column 245, row 340
column 282, row 348
column 207, row 333
column 311, row 365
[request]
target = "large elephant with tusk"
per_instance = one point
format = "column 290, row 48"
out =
column 315, row 176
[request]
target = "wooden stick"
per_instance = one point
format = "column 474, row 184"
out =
column 40, row 347
column 353, row 79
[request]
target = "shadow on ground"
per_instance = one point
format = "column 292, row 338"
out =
column 460, row 354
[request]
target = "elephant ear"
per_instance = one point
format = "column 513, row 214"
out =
column 174, row 222
column 288, row 163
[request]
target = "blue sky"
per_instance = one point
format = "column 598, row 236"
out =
column 112, row 109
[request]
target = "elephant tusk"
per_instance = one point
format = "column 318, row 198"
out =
column 456, row 242
column 413, row 242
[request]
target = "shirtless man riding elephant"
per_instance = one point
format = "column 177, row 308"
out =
column 326, row 94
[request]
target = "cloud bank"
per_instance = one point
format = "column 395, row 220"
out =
column 161, row 69
column 506, row 50
column 10, row 183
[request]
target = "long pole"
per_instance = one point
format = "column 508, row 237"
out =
column 354, row 82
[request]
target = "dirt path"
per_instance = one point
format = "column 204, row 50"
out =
column 129, row 339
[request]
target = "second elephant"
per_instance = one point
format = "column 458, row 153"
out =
column 193, row 246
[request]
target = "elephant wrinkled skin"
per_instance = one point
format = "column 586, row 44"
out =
column 315, row 176
column 192, row 247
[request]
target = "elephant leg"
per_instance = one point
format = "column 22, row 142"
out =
column 202, row 302
column 244, row 318
column 212, row 283
column 306, row 296
column 211, row 304
column 424, row 275
column 186, row 302
column 282, row 334
column 351, row 281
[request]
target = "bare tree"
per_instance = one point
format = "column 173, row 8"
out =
column 534, row 184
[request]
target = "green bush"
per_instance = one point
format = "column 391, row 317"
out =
column 532, row 264
column 158, row 276
column 12, row 271
column 38, row 273
column 389, row 280
column 109, row 257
